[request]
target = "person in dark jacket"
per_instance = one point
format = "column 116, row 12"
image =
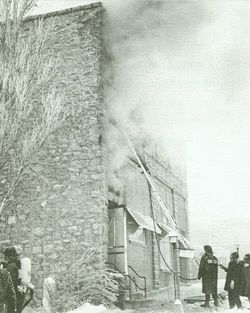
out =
column 245, row 277
column 208, row 272
column 13, row 266
column 233, row 281
column 7, row 292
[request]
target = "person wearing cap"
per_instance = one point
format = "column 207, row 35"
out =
column 245, row 277
column 208, row 272
column 233, row 280
column 13, row 266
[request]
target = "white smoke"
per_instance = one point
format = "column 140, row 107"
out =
column 148, row 43
column 181, row 73
column 148, row 94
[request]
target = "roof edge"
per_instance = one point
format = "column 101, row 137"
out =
column 65, row 11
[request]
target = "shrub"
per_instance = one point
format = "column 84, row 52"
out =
column 84, row 279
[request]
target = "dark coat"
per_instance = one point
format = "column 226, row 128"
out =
column 245, row 280
column 13, row 267
column 233, row 274
column 208, row 271
column 7, row 291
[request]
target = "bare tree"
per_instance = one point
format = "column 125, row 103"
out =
column 30, row 108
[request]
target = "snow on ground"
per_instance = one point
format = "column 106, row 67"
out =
column 224, row 307
column 162, row 304
column 88, row 308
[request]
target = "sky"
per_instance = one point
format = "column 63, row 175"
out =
column 183, row 69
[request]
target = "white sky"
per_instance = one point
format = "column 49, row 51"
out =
column 211, row 75
column 45, row 6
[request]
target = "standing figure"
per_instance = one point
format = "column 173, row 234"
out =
column 233, row 280
column 7, row 292
column 13, row 266
column 245, row 280
column 208, row 272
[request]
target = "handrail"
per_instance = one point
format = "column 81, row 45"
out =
column 122, row 286
column 131, row 279
column 136, row 272
column 134, row 281
column 115, row 267
column 142, row 277
column 124, row 275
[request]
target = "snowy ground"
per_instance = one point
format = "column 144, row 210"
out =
column 194, row 308
column 163, row 304
column 87, row 308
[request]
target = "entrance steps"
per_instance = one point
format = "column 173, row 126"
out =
column 137, row 304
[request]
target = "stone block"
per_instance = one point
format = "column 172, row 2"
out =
column 68, row 160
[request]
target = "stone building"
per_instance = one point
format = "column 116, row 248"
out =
column 134, row 246
column 64, row 203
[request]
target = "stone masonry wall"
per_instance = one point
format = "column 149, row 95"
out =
column 60, row 206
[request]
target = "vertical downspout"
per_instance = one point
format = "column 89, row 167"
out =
column 125, row 225
column 125, row 232
column 154, row 246
column 176, row 259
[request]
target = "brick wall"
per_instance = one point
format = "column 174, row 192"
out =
column 145, row 258
column 140, row 256
column 173, row 192
column 60, row 204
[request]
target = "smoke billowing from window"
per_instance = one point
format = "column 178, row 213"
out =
column 147, row 91
column 180, row 71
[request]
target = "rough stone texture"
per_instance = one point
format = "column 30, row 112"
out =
column 60, row 206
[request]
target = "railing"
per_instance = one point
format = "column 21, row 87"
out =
column 129, row 287
column 144, row 279
column 131, row 280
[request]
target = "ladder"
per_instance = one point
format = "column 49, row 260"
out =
column 155, row 192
